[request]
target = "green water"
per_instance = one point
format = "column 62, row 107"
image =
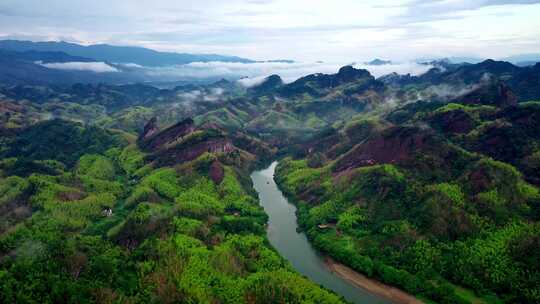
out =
column 294, row 246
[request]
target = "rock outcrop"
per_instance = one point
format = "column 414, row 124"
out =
column 153, row 140
column 184, row 142
column 392, row 146
column 149, row 129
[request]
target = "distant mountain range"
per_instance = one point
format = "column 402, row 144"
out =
column 378, row 61
column 524, row 81
column 117, row 54
column 44, row 57
column 524, row 59
column 519, row 60
column 32, row 67
column 68, row 63
column 26, row 62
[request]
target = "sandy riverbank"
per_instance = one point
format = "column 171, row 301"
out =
column 393, row 294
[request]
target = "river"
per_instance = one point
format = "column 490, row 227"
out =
column 294, row 246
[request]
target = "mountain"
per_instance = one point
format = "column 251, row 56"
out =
column 133, row 193
column 117, row 54
column 520, row 59
column 454, row 59
column 379, row 192
column 30, row 67
column 309, row 104
column 523, row 59
column 277, row 61
column 320, row 85
column 378, row 61
column 44, row 57
column 465, row 59
column 446, row 79
column 185, row 142
column 269, row 84
column 111, row 211
column 25, row 62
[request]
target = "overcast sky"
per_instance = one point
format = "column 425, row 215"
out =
column 329, row 30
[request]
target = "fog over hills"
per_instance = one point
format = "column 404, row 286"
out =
column 270, row 151
column 70, row 63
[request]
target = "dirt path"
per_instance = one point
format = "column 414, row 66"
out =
column 393, row 294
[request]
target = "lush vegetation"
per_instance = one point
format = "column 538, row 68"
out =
column 108, row 227
column 438, row 197
column 417, row 221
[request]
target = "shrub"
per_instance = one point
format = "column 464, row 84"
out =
column 141, row 194
column 96, row 166
column 131, row 159
column 12, row 189
column 164, row 182
column 195, row 204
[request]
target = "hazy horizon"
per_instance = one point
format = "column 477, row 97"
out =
column 339, row 31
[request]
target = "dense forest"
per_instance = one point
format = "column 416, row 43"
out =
column 99, row 223
column 134, row 194
column 432, row 217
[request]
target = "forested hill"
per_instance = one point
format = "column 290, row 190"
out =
column 445, row 199
column 139, row 194
column 89, row 215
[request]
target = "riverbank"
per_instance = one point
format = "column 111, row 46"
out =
column 391, row 293
column 294, row 245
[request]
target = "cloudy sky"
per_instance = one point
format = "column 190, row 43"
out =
column 337, row 30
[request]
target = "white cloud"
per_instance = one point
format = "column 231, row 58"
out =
column 214, row 95
column 96, row 67
column 250, row 74
column 412, row 68
column 190, row 96
column 251, row 81
column 300, row 29
column 130, row 65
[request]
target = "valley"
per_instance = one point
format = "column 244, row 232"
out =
column 270, row 152
column 294, row 246
column 137, row 194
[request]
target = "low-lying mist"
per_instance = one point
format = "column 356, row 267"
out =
column 252, row 73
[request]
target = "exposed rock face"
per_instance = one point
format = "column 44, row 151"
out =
column 183, row 142
column 216, row 172
column 167, row 136
column 507, row 96
column 150, row 129
column 183, row 153
column 394, row 146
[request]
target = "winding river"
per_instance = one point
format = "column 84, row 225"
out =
column 294, row 246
